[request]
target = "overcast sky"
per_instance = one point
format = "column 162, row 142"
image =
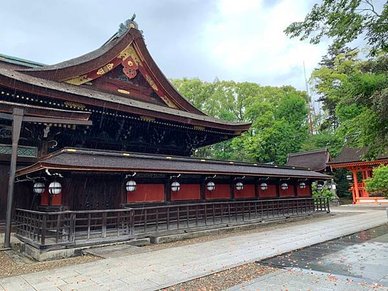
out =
column 228, row 39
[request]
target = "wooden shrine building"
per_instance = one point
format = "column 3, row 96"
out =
column 353, row 159
column 104, row 152
column 315, row 160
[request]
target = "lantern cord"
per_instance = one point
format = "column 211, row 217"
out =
column 54, row 174
column 130, row 175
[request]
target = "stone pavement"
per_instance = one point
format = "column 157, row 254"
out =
column 299, row 279
column 166, row 267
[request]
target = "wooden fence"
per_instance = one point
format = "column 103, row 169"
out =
column 63, row 228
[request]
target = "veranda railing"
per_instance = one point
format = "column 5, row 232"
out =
column 55, row 229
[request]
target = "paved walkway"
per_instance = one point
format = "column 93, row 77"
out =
column 300, row 279
column 158, row 269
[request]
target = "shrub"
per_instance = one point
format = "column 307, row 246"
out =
column 378, row 184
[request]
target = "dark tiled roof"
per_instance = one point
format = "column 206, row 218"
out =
column 315, row 160
column 19, row 62
column 105, row 97
column 354, row 155
column 103, row 161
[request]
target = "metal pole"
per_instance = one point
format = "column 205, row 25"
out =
column 16, row 127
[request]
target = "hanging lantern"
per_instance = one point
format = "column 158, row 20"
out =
column 130, row 186
column 211, row 186
column 175, row 186
column 263, row 186
column 38, row 187
column 319, row 186
column 55, row 188
column 349, row 177
column 239, row 186
column 302, row 185
column 284, row 186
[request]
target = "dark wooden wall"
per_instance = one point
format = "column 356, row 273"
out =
column 23, row 195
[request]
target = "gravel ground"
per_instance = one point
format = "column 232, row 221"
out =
column 11, row 264
column 224, row 279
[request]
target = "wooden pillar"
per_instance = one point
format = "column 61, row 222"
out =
column 203, row 190
column 278, row 183
column 232, row 196
column 296, row 185
column 16, row 128
column 257, row 189
column 167, row 190
column 355, row 187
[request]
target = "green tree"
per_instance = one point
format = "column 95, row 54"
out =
column 278, row 117
column 354, row 94
column 343, row 22
column 379, row 182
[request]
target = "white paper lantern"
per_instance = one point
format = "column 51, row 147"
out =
column 38, row 188
column 284, row 186
column 55, row 188
column 130, row 186
column 263, row 186
column 239, row 186
column 175, row 186
column 211, row 186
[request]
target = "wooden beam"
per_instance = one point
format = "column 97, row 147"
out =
column 47, row 119
column 16, row 127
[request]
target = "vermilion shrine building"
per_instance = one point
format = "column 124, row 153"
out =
column 104, row 153
column 353, row 160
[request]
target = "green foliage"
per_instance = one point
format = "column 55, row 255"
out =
column 343, row 22
column 355, row 99
column 324, row 192
column 278, row 117
column 379, row 182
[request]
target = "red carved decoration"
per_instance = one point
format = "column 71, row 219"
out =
column 130, row 68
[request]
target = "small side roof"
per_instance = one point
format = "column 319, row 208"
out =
column 315, row 160
column 356, row 155
column 84, row 160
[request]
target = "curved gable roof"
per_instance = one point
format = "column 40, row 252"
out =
column 132, row 39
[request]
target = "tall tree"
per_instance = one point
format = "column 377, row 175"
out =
column 343, row 22
column 278, row 117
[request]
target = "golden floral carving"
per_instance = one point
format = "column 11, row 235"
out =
column 129, row 51
column 79, row 80
column 151, row 82
column 105, row 69
column 122, row 91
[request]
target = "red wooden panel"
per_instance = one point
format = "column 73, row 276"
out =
column 269, row 193
column 187, row 192
column 305, row 192
column 222, row 191
column 247, row 192
column 56, row 200
column 44, row 198
column 147, row 193
column 289, row 192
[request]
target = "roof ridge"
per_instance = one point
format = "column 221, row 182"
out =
column 20, row 61
column 309, row 152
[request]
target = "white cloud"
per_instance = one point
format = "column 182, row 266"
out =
column 246, row 40
column 234, row 40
